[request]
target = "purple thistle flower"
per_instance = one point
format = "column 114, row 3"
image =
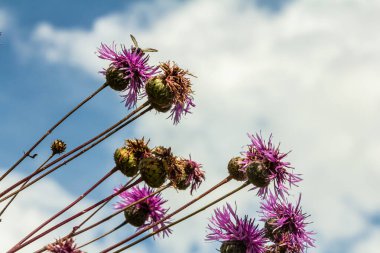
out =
column 277, row 169
column 180, row 86
column 195, row 175
column 133, row 64
column 226, row 226
column 152, row 205
column 63, row 246
column 286, row 225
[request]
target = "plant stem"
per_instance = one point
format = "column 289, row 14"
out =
column 168, row 216
column 19, row 246
column 14, row 196
column 104, row 235
column 110, row 131
column 110, row 173
column 75, row 233
column 184, row 218
column 27, row 153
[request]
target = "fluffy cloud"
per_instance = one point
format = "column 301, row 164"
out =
column 307, row 74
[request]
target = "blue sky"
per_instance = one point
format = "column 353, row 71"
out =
column 304, row 71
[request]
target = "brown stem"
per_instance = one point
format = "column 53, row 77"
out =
column 19, row 246
column 104, row 235
column 110, row 131
column 184, row 218
column 110, row 173
column 14, row 196
column 168, row 216
column 75, row 233
column 27, row 153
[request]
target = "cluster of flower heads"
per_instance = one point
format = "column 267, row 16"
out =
column 167, row 86
column 158, row 165
column 63, row 246
column 284, row 229
column 262, row 164
column 145, row 213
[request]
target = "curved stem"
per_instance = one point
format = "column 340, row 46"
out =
column 184, row 218
column 14, row 196
column 27, row 153
column 168, row 216
column 110, row 132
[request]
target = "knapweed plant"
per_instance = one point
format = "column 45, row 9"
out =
column 145, row 171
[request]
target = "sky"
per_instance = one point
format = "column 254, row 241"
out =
column 305, row 71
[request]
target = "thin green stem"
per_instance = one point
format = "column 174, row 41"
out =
column 27, row 153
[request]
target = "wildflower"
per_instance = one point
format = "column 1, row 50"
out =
column 128, row 71
column 264, row 163
column 187, row 173
column 146, row 212
column 125, row 161
column 172, row 87
column 285, row 224
column 58, row 147
column 153, row 171
column 235, row 169
column 238, row 235
column 63, row 246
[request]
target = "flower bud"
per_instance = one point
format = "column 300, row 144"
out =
column 58, row 147
column 153, row 171
column 115, row 79
column 258, row 174
column 125, row 162
column 233, row 246
column 136, row 216
column 159, row 95
column 234, row 168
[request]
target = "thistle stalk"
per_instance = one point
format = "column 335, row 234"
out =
column 110, row 132
column 184, row 218
column 224, row 181
column 27, row 153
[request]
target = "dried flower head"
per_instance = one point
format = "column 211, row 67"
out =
column 58, row 147
column 180, row 86
column 285, row 224
column 268, row 165
column 63, row 246
column 226, row 226
column 138, row 147
column 152, row 206
column 128, row 71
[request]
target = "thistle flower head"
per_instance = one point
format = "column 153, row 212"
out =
column 153, row 206
column 63, row 246
column 226, row 226
column 179, row 84
column 58, row 147
column 270, row 161
column 286, row 224
column 195, row 175
column 130, row 65
column 138, row 147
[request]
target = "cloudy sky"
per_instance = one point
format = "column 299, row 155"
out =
column 306, row 71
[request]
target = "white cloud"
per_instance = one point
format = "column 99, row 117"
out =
column 4, row 20
column 307, row 74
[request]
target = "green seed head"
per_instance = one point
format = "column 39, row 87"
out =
column 136, row 216
column 125, row 162
column 153, row 171
column 233, row 246
column 159, row 94
column 258, row 174
column 115, row 79
column 234, row 168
